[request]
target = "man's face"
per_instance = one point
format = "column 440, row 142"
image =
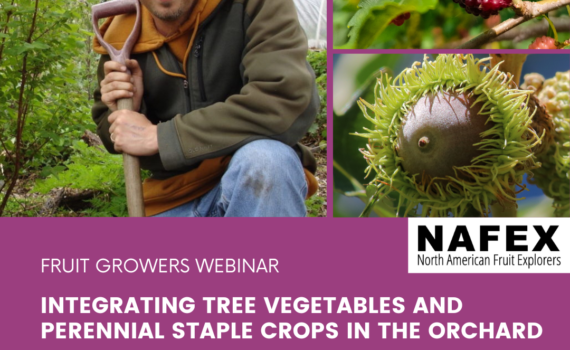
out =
column 168, row 10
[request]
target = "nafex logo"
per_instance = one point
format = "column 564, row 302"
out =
column 489, row 245
column 462, row 239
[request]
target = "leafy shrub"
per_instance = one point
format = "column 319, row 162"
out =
column 315, row 206
column 44, row 61
column 318, row 60
column 92, row 168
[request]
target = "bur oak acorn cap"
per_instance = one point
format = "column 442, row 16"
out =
column 553, row 177
column 449, row 134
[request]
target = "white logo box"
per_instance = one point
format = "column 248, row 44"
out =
column 497, row 259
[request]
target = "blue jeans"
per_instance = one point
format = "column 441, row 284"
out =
column 265, row 178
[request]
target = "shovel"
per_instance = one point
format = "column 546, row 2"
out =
column 131, row 164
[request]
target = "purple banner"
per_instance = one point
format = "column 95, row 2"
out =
column 349, row 270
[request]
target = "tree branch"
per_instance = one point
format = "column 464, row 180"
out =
column 534, row 9
column 525, row 11
column 534, row 30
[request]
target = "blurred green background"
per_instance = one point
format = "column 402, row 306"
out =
column 354, row 77
column 447, row 25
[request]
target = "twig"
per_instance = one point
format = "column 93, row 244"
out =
column 534, row 30
column 5, row 30
column 525, row 11
column 48, row 30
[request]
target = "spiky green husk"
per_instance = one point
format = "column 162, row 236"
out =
column 506, row 145
column 553, row 177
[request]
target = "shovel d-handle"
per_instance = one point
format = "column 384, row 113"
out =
column 131, row 164
column 115, row 8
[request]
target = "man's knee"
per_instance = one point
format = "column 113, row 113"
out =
column 268, row 156
column 267, row 163
column 264, row 178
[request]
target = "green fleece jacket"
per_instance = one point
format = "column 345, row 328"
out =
column 246, row 79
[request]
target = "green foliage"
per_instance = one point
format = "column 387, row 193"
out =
column 44, row 69
column 315, row 206
column 365, row 24
column 92, row 168
column 347, row 166
column 54, row 98
column 318, row 60
column 22, row 206
column 318, row 131
column 374, row 16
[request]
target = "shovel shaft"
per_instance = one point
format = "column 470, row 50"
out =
column 132, row 169
column 131, row 164
column 125, row 103
column 133, row 185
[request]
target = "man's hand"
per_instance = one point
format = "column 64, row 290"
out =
column 133, row 133
column 118, row 84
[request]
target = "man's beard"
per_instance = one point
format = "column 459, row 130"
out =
column 168, row 16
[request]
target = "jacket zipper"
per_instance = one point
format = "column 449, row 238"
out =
column 185, row 83
column 198, row 54
column 187, row 94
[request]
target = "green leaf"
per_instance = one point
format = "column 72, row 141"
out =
column 39, row 45
column 314, row 128
column 52, row 171
column 375, row 15
column 86, row 32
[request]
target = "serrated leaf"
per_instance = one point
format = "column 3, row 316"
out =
column 375, row 15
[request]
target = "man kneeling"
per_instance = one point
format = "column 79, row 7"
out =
column 222, row 94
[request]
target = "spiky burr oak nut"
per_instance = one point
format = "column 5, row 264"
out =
column 449, row 134
column 541, row 119
column 533, row 81
column 434, row 122
column 553, row 177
